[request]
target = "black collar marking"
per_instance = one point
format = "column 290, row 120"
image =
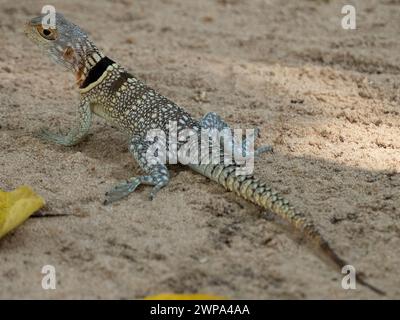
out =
column 96, row 72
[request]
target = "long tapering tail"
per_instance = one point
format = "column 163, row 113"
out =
column 257, row 192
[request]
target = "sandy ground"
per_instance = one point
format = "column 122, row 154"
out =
column 326, row 98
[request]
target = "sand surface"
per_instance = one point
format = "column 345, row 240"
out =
column 326, row 98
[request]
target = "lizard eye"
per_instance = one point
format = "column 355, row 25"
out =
column 49, row 34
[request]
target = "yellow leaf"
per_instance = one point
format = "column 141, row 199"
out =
column 16, row 206
column 173, row 296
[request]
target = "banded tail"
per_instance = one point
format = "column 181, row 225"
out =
column 257, row 192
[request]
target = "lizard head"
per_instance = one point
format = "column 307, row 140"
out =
column 65, row 43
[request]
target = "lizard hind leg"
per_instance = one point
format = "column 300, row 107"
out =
column 157, row 174
column 213, row 121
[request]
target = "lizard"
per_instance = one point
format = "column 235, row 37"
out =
column 108, row 90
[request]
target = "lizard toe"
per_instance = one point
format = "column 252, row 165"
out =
column 156, row 189
column 122, row 190
column 263, row 149
column 49, row 136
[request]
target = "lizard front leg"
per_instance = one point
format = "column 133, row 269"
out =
column 213, row 121
column 77, row 132
column 157, row 174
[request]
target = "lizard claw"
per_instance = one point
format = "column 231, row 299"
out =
column 263, row 149
column 125, row 188
column 58, row 138
column 121, row 190
column 155, row 190
column 44, row 134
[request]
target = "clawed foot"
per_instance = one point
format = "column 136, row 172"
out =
column 57, row 138
column 247, row 142
column 122, row 190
